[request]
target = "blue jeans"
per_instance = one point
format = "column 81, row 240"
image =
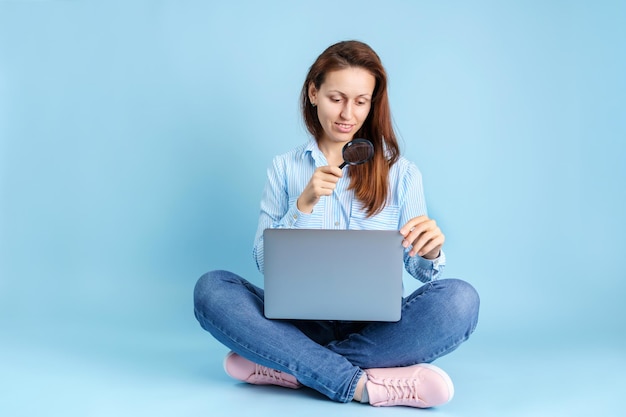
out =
column 330, row 356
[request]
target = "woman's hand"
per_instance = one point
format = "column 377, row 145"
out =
column 323, row 182
column 425, row 236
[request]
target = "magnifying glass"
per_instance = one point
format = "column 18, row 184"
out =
column 357, row 152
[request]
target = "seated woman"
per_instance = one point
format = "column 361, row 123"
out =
column 343, row 97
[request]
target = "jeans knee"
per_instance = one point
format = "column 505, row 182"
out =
column 208, row 286
column 463, row 301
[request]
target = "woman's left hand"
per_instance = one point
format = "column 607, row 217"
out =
column 425, row 236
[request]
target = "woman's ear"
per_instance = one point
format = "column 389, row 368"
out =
column 312, row 94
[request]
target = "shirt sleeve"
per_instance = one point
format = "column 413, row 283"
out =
column 277, row 211
column 412, row 204
column 424, row 269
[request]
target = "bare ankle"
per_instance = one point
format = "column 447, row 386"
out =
column 360, row 386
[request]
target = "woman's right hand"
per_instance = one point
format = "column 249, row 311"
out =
column 323, row 182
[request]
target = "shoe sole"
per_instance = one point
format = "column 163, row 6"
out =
column 228, row 355
column 443, row 375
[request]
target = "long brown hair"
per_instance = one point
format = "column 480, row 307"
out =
column 369, row 181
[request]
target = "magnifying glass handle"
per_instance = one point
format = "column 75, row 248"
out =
column 343, row 165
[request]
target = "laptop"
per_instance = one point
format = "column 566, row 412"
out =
column 351, row 275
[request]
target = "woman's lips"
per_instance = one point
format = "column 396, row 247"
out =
column 344, row 128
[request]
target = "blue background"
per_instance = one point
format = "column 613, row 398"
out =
column 134, row 139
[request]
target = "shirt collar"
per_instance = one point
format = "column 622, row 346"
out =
column 313, row 151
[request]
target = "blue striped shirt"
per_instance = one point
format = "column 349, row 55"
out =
column 290, row 173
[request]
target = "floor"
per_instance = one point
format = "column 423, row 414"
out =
column 122, row 369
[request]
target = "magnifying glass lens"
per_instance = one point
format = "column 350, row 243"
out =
column 357, row 152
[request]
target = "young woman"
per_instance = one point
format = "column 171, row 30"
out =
column 343, row 97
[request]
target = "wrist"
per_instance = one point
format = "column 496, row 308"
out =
column 432, row 255
column 304, row 208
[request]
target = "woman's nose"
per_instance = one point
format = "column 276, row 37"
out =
column 346, row 112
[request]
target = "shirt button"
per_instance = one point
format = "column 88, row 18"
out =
column 336, row 223
column 295, row 216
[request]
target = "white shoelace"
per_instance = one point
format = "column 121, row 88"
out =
column 401, row 389
column 265, row 372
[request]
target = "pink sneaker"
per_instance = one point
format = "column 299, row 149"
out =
column 421, row 386
column 242, row 369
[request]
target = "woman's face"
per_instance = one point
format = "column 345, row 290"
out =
column 343, row 102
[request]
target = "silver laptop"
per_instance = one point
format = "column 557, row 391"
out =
column 352, row 275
